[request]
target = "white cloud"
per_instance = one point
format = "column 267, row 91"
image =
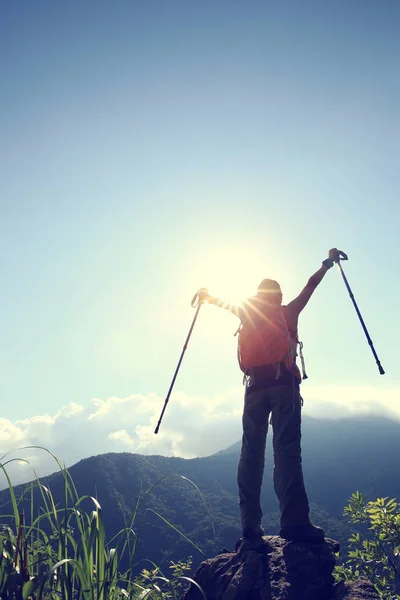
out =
column 10, row 436
column 192, row 426
column 122, row 438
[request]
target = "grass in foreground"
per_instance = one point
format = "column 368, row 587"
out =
column 62, row 552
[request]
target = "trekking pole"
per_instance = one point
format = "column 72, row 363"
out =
column 343, row 256
column 196, row 303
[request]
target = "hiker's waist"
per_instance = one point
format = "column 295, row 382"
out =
column 276, row 374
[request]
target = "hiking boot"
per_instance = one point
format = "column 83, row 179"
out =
column 253, row 532
column 252, row 539
column 303, row 533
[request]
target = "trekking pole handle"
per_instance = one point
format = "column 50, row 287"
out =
column 342, row 256
column 197, row 299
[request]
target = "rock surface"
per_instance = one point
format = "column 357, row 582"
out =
column 274, row 569
column 357, row 590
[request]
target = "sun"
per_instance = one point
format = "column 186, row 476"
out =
column 232, row 272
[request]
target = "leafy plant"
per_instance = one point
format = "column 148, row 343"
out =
column 154, row 583
column 374, row 550
column 61, row 550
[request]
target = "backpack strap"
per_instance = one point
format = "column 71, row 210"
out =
column 238, row 329
column 303, row 364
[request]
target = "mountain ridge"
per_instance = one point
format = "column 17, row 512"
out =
column 340, row 457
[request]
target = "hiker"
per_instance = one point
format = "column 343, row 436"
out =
column 267, row 352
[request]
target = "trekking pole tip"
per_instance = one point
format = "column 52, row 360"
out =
column 381, row 371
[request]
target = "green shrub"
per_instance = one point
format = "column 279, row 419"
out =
column 374, row 550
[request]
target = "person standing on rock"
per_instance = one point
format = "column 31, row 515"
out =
column 267, row 355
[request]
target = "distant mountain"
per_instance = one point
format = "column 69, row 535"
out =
column 339, row 456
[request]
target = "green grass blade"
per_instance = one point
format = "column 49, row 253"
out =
column 193, row 582
column 203, row 499
column 175, row 529
column 11, row 489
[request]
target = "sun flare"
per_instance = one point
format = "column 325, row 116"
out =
column 232, row 273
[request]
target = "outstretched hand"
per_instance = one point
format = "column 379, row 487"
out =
column 334, row 254
column 203, row 295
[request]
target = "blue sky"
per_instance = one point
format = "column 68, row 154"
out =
column 151, row 148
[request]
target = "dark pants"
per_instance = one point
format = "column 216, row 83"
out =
column 284, row 403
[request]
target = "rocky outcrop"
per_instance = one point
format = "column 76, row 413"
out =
column 274, row 569
column 357, row 590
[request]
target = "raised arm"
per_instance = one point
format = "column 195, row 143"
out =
column 204, row 296
column 296, row 306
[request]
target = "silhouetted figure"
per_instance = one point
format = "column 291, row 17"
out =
column 267, row 347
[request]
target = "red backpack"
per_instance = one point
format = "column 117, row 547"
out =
column 264, row 337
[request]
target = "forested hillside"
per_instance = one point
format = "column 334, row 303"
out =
column 339, row 457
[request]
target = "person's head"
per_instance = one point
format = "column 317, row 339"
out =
column 270, row 290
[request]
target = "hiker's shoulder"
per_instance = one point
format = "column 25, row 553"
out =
column 250, row 302
column 291, row 313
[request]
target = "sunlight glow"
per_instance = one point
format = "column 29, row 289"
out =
column 231, row 273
